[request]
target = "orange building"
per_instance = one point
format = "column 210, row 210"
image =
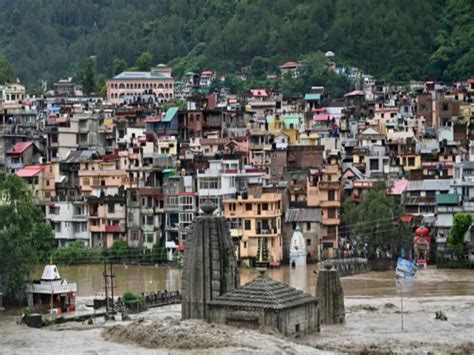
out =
column 323, row 190
column 255, row 225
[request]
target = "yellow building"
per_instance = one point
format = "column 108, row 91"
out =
column 410, row 162
column 255, row 225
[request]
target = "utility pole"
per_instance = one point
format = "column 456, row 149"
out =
column 112, row 276
column 109, row 276
column 106, row 280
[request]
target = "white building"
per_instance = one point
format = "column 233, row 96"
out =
column 69, row 221
column 223, row 180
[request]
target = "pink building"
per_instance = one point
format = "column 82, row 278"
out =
column 158, row 82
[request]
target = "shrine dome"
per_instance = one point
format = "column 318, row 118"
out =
column 422, row 232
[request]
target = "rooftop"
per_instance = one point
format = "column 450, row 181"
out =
column 19, row 147
column 263, row 292
column 136, row 75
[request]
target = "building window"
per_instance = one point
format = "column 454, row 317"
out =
column 86, row 181
column 264, row 206
column 111, row 208
column 308, row 242
column 248, row 225
column 331, row 195
column 248, row 207
column 212, row 183
column 332, row 213
column 149, row 238
column 308, row 226
column 245, row 245
column 411, row 161
column 374, row 164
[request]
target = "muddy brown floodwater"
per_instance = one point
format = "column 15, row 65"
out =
column 429, row 282
column 372, row 324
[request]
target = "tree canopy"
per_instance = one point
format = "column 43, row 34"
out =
column 25, row 239
column 375, row 220
column 461, row 224
column 395, row 39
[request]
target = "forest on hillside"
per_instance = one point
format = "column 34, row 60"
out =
column 398, row 40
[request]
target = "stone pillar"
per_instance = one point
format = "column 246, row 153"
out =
column 330, row 296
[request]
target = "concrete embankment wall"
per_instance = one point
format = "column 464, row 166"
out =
column 349, row 266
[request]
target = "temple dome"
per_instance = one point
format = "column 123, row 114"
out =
column 297, row 248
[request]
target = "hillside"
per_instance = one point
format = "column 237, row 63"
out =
column 396, row 39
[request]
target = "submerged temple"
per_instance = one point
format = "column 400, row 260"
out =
column 209, row 265
column 265, row 303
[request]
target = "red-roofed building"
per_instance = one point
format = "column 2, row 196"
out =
column 33, row 176
column 291, row 68
column 18, row 156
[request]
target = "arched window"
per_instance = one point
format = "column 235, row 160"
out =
column 128, row 86
column 122, row 86
column 160, row 86
column 154, row 85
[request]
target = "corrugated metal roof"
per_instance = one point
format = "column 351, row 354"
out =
column 310, row 97
column 29, row 171
column 428, row 185
column 447, row 199
column 303, row 215
column 128, row 75
column 170, row 114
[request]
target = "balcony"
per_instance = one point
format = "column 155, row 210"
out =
column 117, row 228
column 148, row 228
column 331, row 221
column 329, row 185
column 335, row 203
column 267, row 232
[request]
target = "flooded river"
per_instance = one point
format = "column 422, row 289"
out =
column 428, row 282
column 372, row 316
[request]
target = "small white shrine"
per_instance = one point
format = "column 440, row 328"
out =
column 52, row 292
column 297, row 248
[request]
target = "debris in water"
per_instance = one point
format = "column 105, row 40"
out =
column 441, row 316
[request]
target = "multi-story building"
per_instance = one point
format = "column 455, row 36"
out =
column 255, row 224
column 145, row 216
column 134, row 85
column 180, row 208
column 107, row 216
column 69, row 220
column 323, row 190
column 223, row 179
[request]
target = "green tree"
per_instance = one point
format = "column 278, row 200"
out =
column 120, row 65
column 119, row 250
column 76, row 253
column 101, row 85
column 461, row 224
column 158, row 253
column 25, row 239
column 7, row 73
column 375, row 220
column 144, row 61
column 88, row 76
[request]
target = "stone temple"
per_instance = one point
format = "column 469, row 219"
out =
column 210, row 268
column 265, row 303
